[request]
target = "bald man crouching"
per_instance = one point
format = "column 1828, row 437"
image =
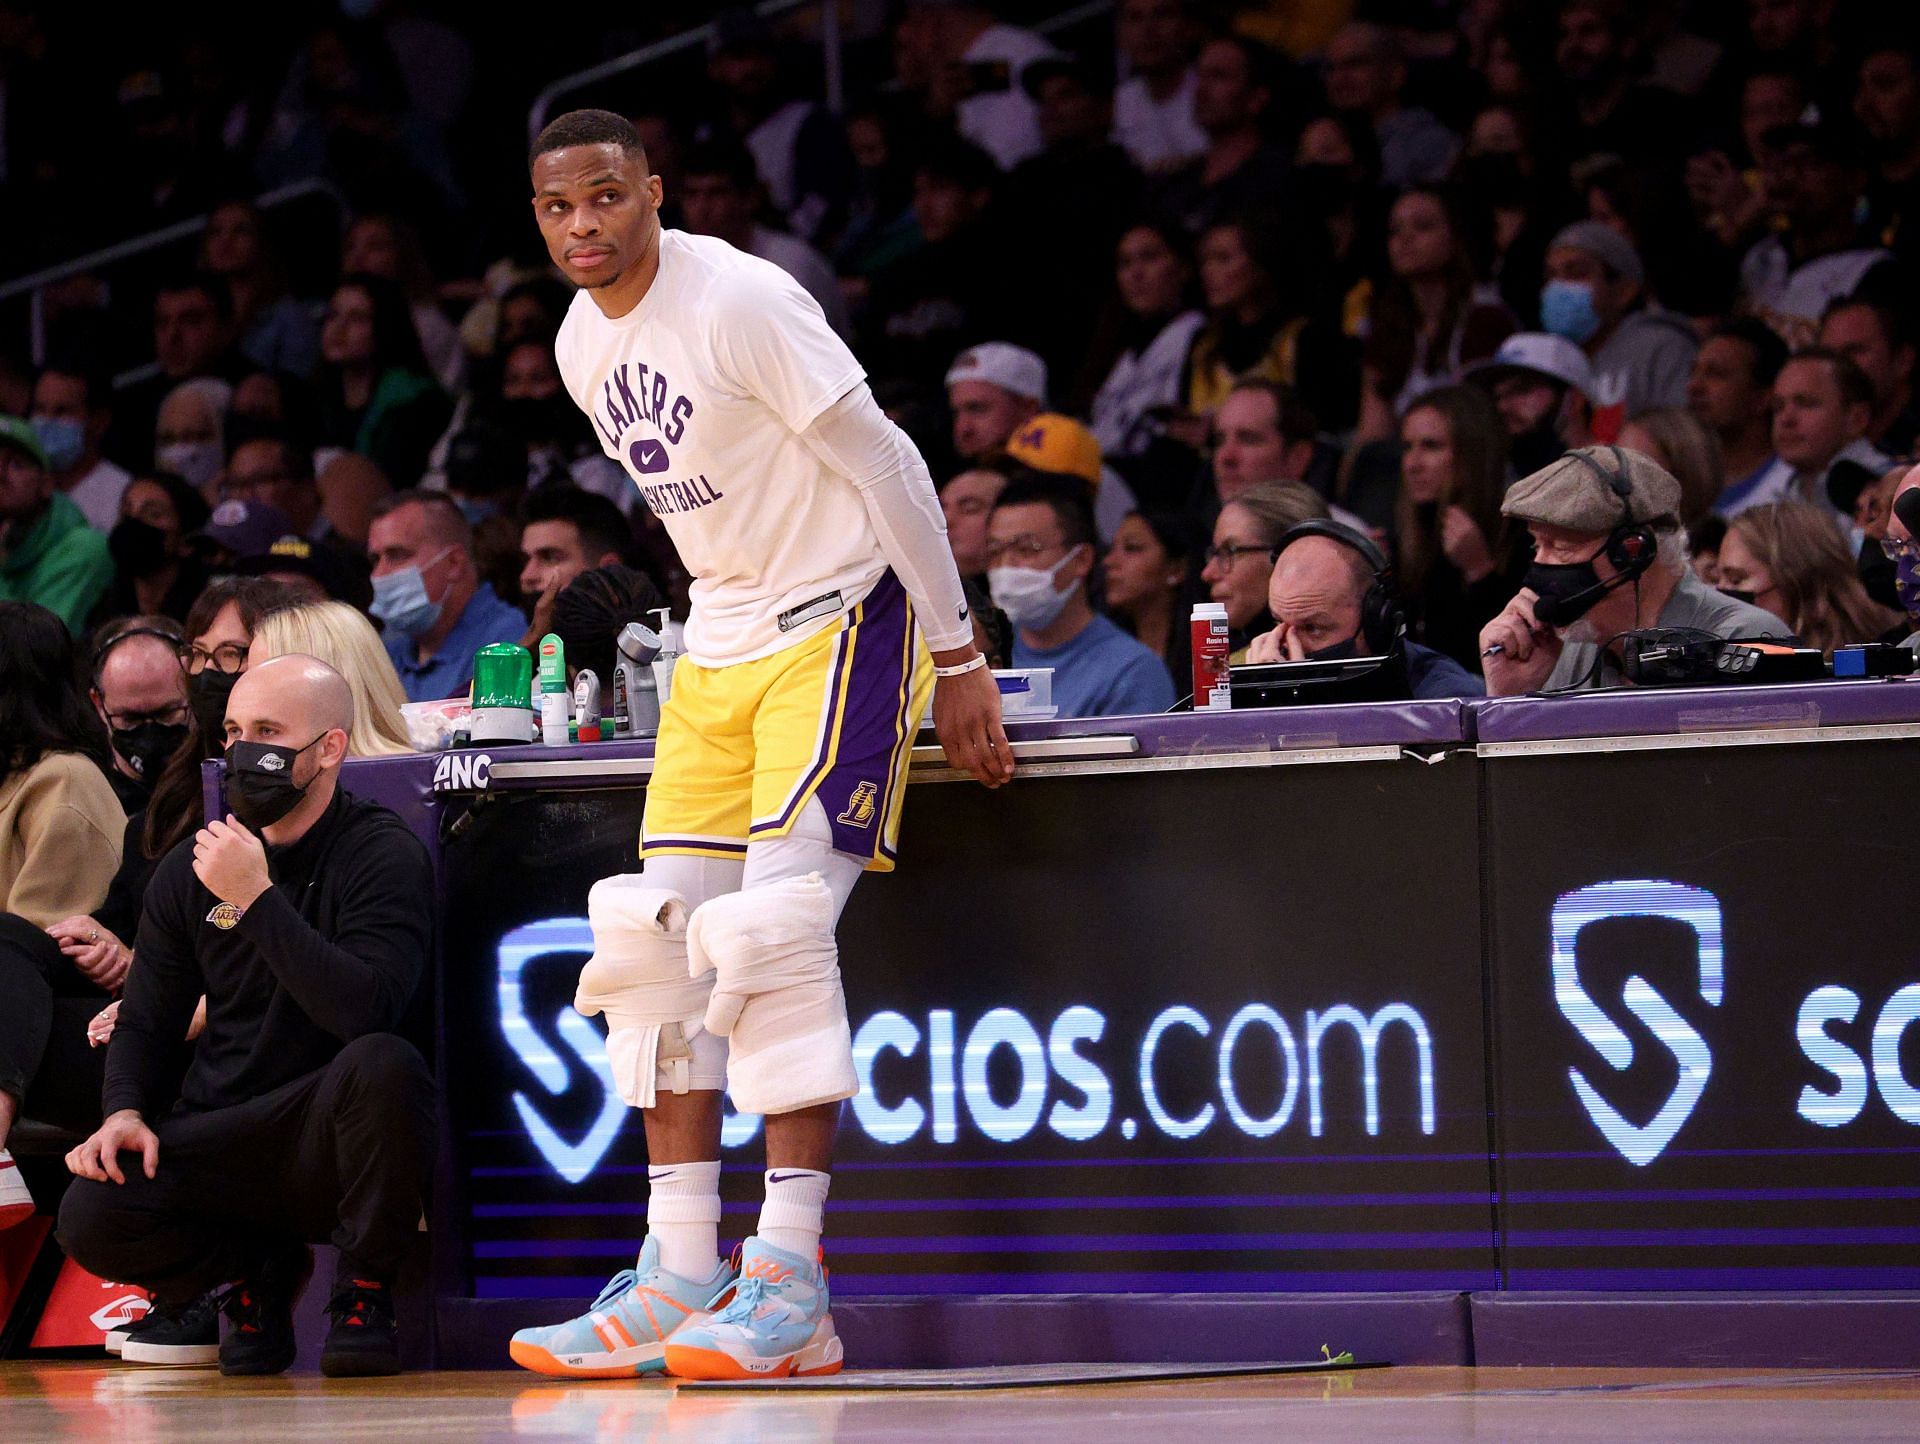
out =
column 304, row 917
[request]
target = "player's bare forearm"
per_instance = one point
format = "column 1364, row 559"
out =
column 966, row 717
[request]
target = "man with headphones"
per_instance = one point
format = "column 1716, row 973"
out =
column 1332, row 594
column 1610, row 557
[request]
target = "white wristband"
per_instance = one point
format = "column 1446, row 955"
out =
column 972, row 664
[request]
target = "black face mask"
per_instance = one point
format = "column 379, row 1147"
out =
column 147, row 747
column 138, row 550
column 1567, row 590
column 260, row 785
column 1338, row 652
column 208, row 692
column 1739, row 596
column 1879, row 575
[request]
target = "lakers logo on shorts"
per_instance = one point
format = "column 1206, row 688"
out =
column 224, row 916
column 859, row 811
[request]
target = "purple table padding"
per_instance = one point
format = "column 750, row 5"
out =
column 1642, row 712
column 1703, row 1330
column 1270, row 729
column 974, row 1331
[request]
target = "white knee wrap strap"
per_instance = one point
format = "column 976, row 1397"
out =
column 638, row 977
column 776, row 994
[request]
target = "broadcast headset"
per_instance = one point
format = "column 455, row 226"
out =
column 1382, row 620
column 1631, row 546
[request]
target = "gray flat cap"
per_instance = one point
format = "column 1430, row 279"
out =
column 1576, row 492
column 1605, row 245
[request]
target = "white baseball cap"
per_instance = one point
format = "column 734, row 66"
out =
column 1540, row 354
column 1011, row 368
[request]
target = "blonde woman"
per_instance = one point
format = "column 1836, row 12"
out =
column 1787, row 557
column 345, row 640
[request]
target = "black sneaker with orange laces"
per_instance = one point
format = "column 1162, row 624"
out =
column 259, row 1310
column 363, row 1340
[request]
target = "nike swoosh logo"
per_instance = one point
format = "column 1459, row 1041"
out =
column 783, row 1177
column 648, row 456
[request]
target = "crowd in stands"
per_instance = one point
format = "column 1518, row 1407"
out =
column 1149, row 292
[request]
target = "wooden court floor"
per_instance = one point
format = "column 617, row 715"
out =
column 67, row 1401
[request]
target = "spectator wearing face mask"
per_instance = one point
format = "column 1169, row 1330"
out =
column 1332, row 597
column 1603, row 565
column 1595, row 297
column 155, row 572
column 1787, row 559
column 140, row 691
column 71, row 416
column 192, row 339
column 190, row 432
column 428, row 594
column 48, row 553
column 1040, row 551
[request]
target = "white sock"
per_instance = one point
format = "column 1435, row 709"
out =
column 683, row 1213
column 792, row 1217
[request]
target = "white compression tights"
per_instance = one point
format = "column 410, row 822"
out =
column 808, row 848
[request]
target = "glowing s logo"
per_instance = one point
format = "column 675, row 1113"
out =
column 572, row 1161
column 1699, row 910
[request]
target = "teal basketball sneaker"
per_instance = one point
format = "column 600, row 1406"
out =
column 624, row 1334
column 776, row 1324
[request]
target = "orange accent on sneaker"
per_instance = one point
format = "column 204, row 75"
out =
column 532, row 1356
column 766, row 1268
column 685, row 1362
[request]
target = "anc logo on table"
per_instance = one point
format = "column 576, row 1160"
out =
column 225, row 917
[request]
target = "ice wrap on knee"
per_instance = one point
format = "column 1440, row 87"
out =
column 638, row 977
column 776, row 994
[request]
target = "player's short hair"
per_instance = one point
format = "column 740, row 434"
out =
column 588, row 127
column 599, row 522
column 1068, row 497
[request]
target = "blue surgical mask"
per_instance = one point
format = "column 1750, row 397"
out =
column 401, row 603
column 62, row 438
column 1566, row 309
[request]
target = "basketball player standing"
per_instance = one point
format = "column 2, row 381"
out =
column 821, row 579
